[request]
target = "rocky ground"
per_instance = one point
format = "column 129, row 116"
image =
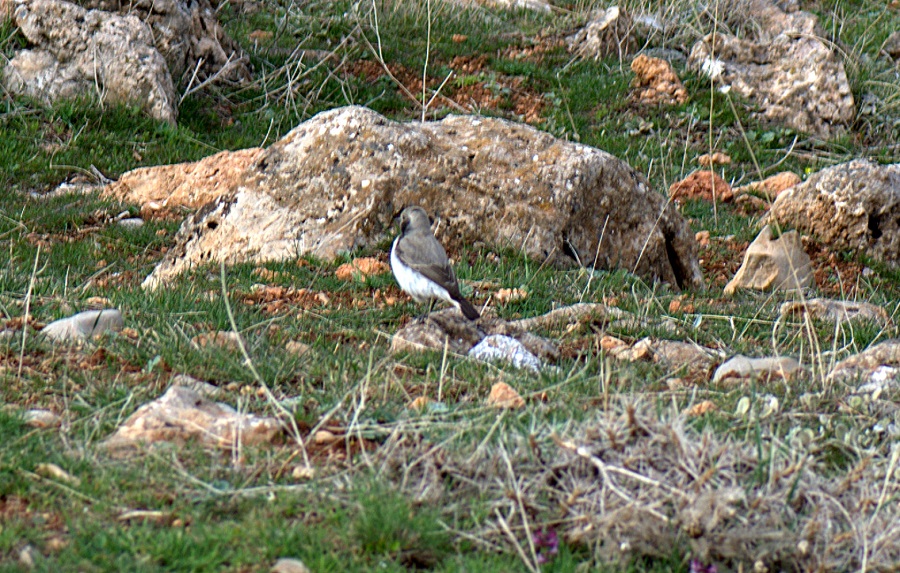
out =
column 684, row 245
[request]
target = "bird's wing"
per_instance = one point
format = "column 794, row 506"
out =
column 428, row 258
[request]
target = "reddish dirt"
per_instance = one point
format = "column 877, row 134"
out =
column 834, row 276
column 535, row 52
column 283, row 300
column 506, row 93
column 721, row 260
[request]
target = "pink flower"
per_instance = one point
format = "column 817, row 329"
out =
column 546, row 539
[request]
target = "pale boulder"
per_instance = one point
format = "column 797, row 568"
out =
column 783, row 65
column 78, row 52
column 853, row 206
column 184, row 184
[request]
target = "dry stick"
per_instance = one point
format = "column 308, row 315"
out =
column 518, row 492
column 381, row 61
column 28, row 292
column 427, row 54
column 712, row 98
column 259, row 379
column 515, row 542
column 440, row 392
column 438, row 92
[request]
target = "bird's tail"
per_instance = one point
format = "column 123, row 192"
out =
column 467, row 309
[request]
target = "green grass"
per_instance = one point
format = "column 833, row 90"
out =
column 426, row 490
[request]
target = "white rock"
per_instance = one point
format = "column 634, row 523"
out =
column 41, row 418
column 182, row 414
column 289, row 565
column 84, row 325
column 500, row 348
column 131, row 222
column 744, row 367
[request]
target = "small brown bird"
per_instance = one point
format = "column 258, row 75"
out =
column 421, row 266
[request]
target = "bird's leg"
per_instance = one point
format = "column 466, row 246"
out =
column 422, row 319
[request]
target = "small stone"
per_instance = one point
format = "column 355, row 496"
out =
column 656, row 82
column 100, row 301
column 848, row 207
column 773, row 264
column 674, row 305
column 41, row 418
column 55, row 544
column 84, row 325
column 503, row 396
column 361, row 268
column 642, row 350
column 324, row 437
column 199, row 386
column 222, row 338
column 55, row 472
column 303, row 473
column 131, row 223
column 297, row 348
column 459, row 38
column 717, row 158
column 744, row 367
column 289, row 565
column 610, row 343
column 505, row 295
column 701, row 408
column 26, row 557
column 609, row 32
column 706, row 185
column 419, row 403
column 875, row 365
column 501, row 348
column 702, row 238
column 771, row 187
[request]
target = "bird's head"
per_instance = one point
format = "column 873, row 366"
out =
column 414, row 217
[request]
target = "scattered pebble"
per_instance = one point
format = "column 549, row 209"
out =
column 41, row 418
column 717, row 158
column 131, row 223
column 501, row 348
column 289, row 565
column 84, row 325
column 744, row 367
column 361, row 268
column 504, row 396
column 296, row 347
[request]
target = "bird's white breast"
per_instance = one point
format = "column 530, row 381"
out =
column 415, row 283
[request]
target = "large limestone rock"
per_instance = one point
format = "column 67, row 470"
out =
column 335, row 182
column 183, row 184
column 853, row 206
column 188, row 35
column 782, row 64
column 78, row 51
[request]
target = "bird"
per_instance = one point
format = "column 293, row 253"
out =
column 421, row 266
